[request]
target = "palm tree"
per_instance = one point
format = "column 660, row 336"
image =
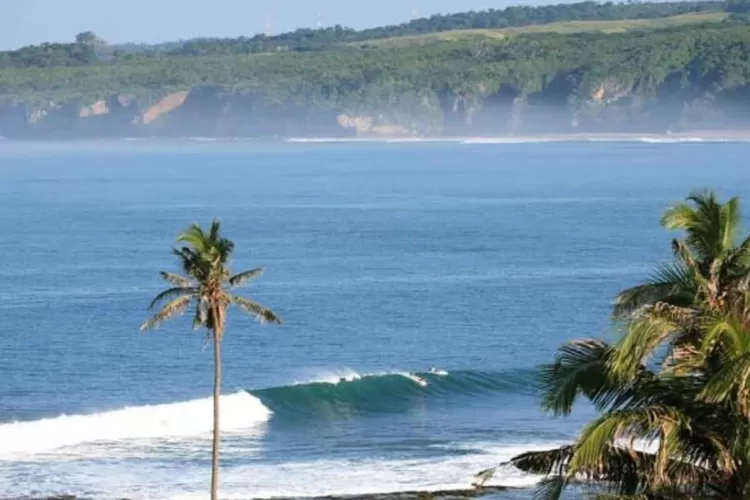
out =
column 707, row 258
column 674, row 392
column 205, row 284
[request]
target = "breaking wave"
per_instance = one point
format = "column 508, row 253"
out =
column 387, row 393
column 185, row 419
column 333, row 397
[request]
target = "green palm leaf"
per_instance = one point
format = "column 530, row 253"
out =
column 242, row 278
column 547, row 462
column 550, row 488
column 671, row 283
column 171, row 293
column 177, row 280
column 643, row 337
column 581, row 368
column 262, row 313
column 175, row 308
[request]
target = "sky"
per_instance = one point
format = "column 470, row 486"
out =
column 28, row 22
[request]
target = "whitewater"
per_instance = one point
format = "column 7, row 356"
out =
column 183, row 429
column 477, row 258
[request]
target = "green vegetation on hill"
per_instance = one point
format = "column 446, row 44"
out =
column 83, row 51
column 657, row 73
column 562, row 27
column 712, row 55
column 307, row 39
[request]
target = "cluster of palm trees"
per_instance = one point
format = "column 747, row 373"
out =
column 673, row 392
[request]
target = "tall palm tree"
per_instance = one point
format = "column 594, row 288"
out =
column 205, row 284
column 674, row 392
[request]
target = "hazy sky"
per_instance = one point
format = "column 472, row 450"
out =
column 25, row 22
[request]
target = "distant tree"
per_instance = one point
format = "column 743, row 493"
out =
column 87, row 38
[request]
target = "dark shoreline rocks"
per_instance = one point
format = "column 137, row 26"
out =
column 401, row 495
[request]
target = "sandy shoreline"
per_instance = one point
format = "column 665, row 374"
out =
column 692, row 136
column 682, row 136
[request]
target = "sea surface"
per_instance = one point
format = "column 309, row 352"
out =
column 384, row 260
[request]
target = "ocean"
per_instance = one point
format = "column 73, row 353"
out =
column 384, row 260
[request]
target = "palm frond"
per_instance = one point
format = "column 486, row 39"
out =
column 680, row 216
column 733, row 377
column 580, row 368
column 550, row 488
column 620, row 429
column 210, row 247
column 710, row 226
column 195, row 237
column 189, row 261
column 642, row 338
column 481, row 477
column 213, row 234
column 201, row 314
column 261, row 313
column 171, row 293
column 242, row 278
column 176, row 279
column 728, row 332
column 622, row 471
column 739, row 258
column 175, row 308
column 546, row 462
column 670, row 283
column 731, row 216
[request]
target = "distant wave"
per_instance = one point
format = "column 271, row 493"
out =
column 677, row 140
column 514, row 140
column 356, row 394
column 661, row 139
column 496, row 140
column 191, row 418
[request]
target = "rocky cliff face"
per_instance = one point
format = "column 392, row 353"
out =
column 563, row 106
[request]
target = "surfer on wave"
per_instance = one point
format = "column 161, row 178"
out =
column 417, row 379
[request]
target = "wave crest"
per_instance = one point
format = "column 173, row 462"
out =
column 355, row 394
column 191, row 418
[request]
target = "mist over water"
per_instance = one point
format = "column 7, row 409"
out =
column 383, row 259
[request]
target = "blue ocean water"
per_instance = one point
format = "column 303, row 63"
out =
column 383, row 259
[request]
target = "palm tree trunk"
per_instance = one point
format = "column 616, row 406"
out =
column 217, row 393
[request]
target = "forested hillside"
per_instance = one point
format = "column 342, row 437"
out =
column 84, row 50
column 656, row 80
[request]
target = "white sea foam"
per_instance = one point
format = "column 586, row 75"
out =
column 655, row 139
column 510, row 140
column 415, row 378
column 331, row 377
column 191, row 418
column 676, row 140
column 349, row 375
column 176, row 479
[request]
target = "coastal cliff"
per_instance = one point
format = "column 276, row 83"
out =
column 659, row 81
column 610, row 108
